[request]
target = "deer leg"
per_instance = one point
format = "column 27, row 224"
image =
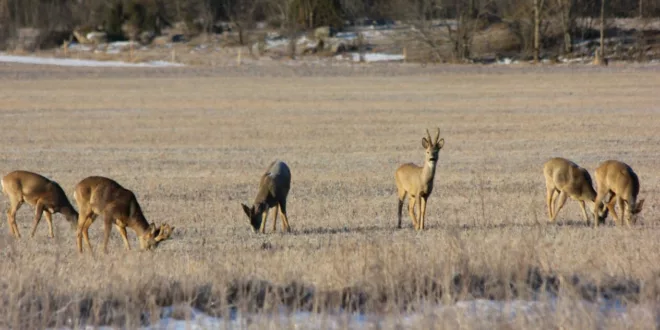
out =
column 49, row 221
column 610, row 207
column 418, row 202
column 275, row 210
column 584, row 212
column 82, row 217
column 285, row 219
column 625, row 211
column 401, row 195
column 550, row 193
column 411, row 210
column 422, row 212
column 122, row 232
column 39, row 210
column 85, row 232
column 107, row 227
column 11, row 217
column 264, row 217
column 561, row 200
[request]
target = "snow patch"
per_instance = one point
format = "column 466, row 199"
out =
column 81, row 63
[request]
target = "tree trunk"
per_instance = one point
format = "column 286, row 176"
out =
column 537, row 30
column 641, row 4
column 602, row 29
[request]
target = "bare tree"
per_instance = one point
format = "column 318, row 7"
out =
column 602, row 29
column 567, row 18
column 241, row 14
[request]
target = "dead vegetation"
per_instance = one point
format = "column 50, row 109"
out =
column 187, row 152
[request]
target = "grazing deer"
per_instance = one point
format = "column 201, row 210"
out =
column 273, row 189
column 44, row 194
column 417, row 182
column 619, row 181
column 563, row 179
column 97, row 195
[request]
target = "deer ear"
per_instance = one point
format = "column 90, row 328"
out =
column 638, row 207
column 247, row 210
column 152, row 228
column 441, row 143
column 425, row 143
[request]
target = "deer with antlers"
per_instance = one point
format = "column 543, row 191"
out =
column 618, row 181
column 273, row 190
column 96, row 195
column 563, row 179
column 44, row 194
column 416, row 182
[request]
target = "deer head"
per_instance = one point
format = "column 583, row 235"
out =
column 254, row 213
column 432, row 146
column 155, row 235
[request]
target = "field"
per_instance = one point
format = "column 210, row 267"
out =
column 192, row 143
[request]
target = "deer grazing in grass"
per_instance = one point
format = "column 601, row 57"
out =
column 273, row 189
column 44, row 194
column 97, row 195
column 563, row 179
column 619, row 181
column 417, row 182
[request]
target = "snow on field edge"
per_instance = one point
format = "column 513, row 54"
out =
column 81, row 63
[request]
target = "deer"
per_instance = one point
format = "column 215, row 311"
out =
column 97, row 195
column 618, row 181
column 416, row 182
column 563, row 179
column 273, row 190
column 46, row 195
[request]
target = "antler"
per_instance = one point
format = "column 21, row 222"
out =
column 428, row 135
column 437, row 136
column 164, row 232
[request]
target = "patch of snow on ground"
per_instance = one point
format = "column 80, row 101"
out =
column 475, row 312
column 81, row 63
column 376, row 57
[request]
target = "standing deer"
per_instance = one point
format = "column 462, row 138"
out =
column 273, row 189
column 618, row 180
column 564, row 178
column 417, row 182
column 44, row 194
column 97, row 195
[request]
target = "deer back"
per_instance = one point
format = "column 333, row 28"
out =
column 567, row 176
column 617, row 177
column 32, row 187
column 274, row 184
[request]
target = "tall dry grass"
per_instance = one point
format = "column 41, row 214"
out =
column 192, row 145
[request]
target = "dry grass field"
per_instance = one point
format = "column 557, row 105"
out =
column 192, row 143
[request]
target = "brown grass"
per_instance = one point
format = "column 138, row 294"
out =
column 191, row 144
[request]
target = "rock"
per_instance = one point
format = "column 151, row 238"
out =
column 321, row 33
column 146, row 37
column 97, row 37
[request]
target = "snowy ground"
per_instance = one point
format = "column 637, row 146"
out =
column 79, row 62
column 476, row 312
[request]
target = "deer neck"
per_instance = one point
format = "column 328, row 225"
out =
column 138, row 223
column 428, row 172
column 70, row 213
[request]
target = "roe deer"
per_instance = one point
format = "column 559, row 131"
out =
column 563, row 179
column 273, row 189
column 97, row 195
column 417, row 182
column 44, row 194
column 618, row 180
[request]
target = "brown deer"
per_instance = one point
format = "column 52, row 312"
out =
column 619, row 181
column 97, row 195
column 44, row 194
column 563, row 179
column 417, row 182
column 273, row 189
